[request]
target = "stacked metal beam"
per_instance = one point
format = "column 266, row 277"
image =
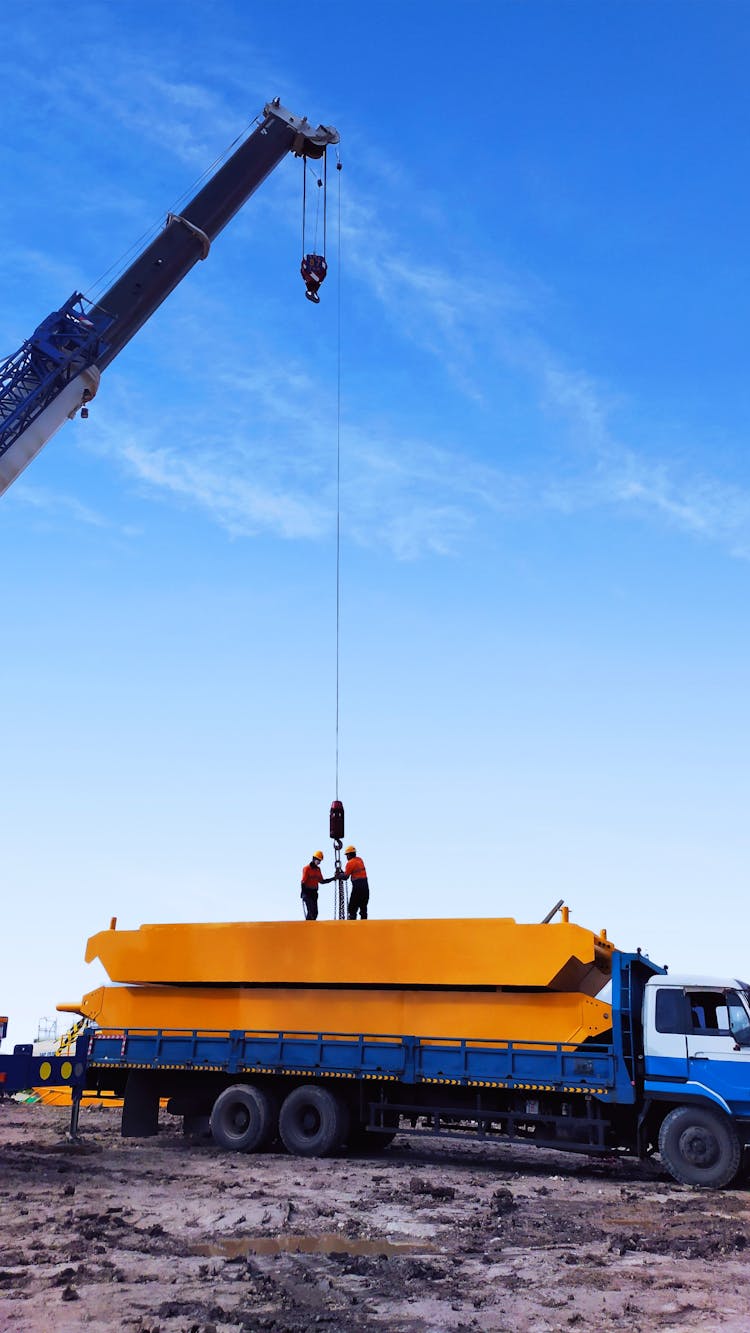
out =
column 480, row 979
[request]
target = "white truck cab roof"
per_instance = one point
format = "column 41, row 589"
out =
column 685, row 980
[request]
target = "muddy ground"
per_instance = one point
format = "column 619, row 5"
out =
column 166, row 1234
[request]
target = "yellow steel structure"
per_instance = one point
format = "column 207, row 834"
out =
column 536, row 1016
column 476, row 953
column 476, row 979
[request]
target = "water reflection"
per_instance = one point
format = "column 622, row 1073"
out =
column 330, row 1243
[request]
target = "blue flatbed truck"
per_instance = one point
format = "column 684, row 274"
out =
column 673, row 1078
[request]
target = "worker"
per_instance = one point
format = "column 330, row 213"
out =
column 312, row 877
column 360, row 894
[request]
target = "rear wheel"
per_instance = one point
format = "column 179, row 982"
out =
column 313, row 1121
column 244, row 1118
column 700, row 1147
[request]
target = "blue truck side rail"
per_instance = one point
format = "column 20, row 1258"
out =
column 21, row 1069
column 537, row 1066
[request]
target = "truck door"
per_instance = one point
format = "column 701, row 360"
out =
column 718, row 1041
column 666, row 1019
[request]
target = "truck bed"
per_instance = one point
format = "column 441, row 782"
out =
column 409, row 1060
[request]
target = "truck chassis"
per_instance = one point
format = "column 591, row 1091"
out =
column 548, row 1094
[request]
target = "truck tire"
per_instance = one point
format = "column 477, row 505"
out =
column 243, row 1118
column 700, row 1147
column 313, row 1122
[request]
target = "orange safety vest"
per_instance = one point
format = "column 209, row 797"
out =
column 312, row 876
column 355, row 868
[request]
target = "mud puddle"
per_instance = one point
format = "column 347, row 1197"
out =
column 328, row 1243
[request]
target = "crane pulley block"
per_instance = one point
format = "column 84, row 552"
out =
column 313, row 269
column 337, row 821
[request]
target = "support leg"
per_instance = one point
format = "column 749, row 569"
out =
column 75, row 1109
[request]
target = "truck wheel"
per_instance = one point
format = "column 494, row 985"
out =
column 313, row 1122
column 243, row 1118
column 699, row 1147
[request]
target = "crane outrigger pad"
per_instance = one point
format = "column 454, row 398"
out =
column 477, row 953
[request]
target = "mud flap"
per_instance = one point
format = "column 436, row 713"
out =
column 140, row 1112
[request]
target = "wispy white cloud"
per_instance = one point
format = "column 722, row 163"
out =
column 56, row 505
column 477, row 321
column 22, row 260
column 632, row 480
column 409, row 495
column 702, row 506
column 400, row 494
column 243, row 507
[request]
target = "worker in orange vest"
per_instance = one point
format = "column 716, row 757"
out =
column 312, row 877
column 360, row 894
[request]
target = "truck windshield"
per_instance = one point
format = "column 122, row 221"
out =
column 738, row 1005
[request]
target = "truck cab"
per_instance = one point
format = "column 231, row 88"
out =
column 696, row 1044
column 697, row 1030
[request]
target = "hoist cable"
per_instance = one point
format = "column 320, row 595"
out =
column 317, row 220
column 304, row 201
column 325, row 198
column 341, row 897
column 338, row 477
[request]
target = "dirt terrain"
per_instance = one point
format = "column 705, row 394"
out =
column 167, row 1234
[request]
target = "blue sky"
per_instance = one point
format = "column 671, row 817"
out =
column 545, row 477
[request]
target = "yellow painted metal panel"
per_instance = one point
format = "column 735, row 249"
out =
column 480, row 952
column 63, row 1097
column 470, row 1015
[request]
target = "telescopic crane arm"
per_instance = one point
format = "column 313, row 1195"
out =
column 57, row 371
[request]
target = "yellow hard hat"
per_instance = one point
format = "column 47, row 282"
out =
column 350, row 851
column 317, row 856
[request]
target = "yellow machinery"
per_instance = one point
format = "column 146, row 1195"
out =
column 470, row 952
column 482, row 979
column 472, row 1015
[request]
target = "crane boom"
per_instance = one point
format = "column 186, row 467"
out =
column 57, row 371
